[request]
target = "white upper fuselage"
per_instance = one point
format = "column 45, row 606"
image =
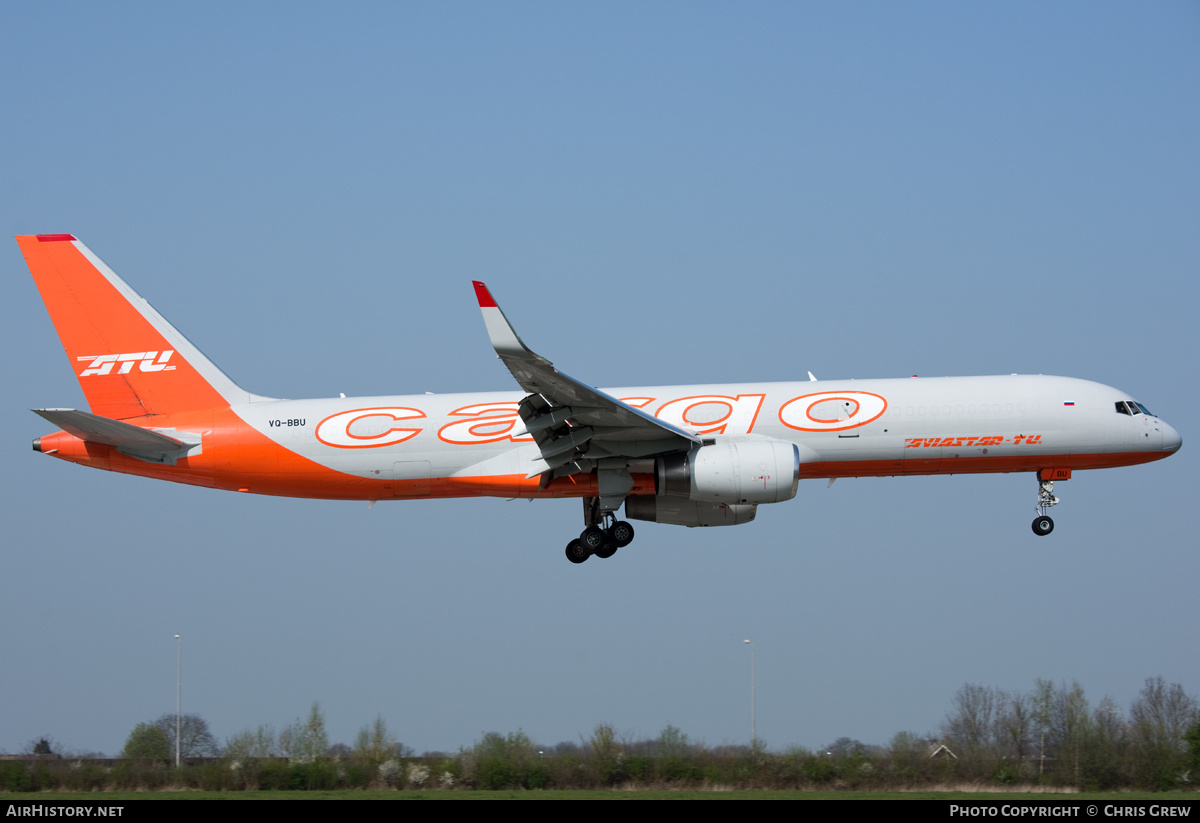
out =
column 844, row 428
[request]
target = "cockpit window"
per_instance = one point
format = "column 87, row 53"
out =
column 1131, row 408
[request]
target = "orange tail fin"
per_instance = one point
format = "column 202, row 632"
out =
column 129, row 360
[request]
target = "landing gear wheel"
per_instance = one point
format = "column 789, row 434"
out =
column 576, row 553
column 621, row 533
column 593, row 539
column 607, row 551
column 1042, row 526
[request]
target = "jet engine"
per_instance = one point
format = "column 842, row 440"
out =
column 719, row 483
column 735, row 471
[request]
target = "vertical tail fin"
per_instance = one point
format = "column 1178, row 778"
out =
column 130, row 362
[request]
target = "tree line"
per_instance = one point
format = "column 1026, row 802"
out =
column 1049, row 736
column 1053, row 734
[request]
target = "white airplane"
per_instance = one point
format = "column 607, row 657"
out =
column 703, row 455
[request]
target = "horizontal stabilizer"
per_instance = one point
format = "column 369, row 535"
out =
column 144, row 444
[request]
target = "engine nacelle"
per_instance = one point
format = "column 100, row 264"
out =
column 675, row 511
column 740, row 470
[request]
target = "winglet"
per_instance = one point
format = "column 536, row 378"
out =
column 504, row 339
column 486, row 301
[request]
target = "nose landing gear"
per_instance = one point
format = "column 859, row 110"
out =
column 1042, row 524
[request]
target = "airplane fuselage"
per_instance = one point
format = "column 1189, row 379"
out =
column 701, row 455
column 474, row 445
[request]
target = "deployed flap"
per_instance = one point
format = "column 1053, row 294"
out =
column 600, row 426
column 144, row 444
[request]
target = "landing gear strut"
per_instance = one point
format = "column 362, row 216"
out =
column 601, row 538
column 1042, row 524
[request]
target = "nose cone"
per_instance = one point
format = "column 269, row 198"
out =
column 1171, row 441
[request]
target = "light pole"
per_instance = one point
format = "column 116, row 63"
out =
column 753, row 722
column 178, row 691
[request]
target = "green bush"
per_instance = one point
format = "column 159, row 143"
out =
column 315, row 775
column 819, row 770
column 509, row 762
column 15, row 776
column 274, row 776
column 357, row 776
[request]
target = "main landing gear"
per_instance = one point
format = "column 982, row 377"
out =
column 1042, row 524
column 602, row 541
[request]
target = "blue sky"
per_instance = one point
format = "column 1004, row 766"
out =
column 656, row 193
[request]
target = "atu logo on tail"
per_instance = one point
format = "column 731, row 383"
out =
column 103, row 364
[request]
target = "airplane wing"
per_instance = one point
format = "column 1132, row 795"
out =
column 574, row 424
column 144, row 444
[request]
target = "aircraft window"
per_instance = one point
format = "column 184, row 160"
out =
column 1145, row 410
column 1121, row 407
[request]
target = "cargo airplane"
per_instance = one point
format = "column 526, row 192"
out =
column 702, row 455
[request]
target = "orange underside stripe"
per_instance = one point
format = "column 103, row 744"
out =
column 238, row 458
